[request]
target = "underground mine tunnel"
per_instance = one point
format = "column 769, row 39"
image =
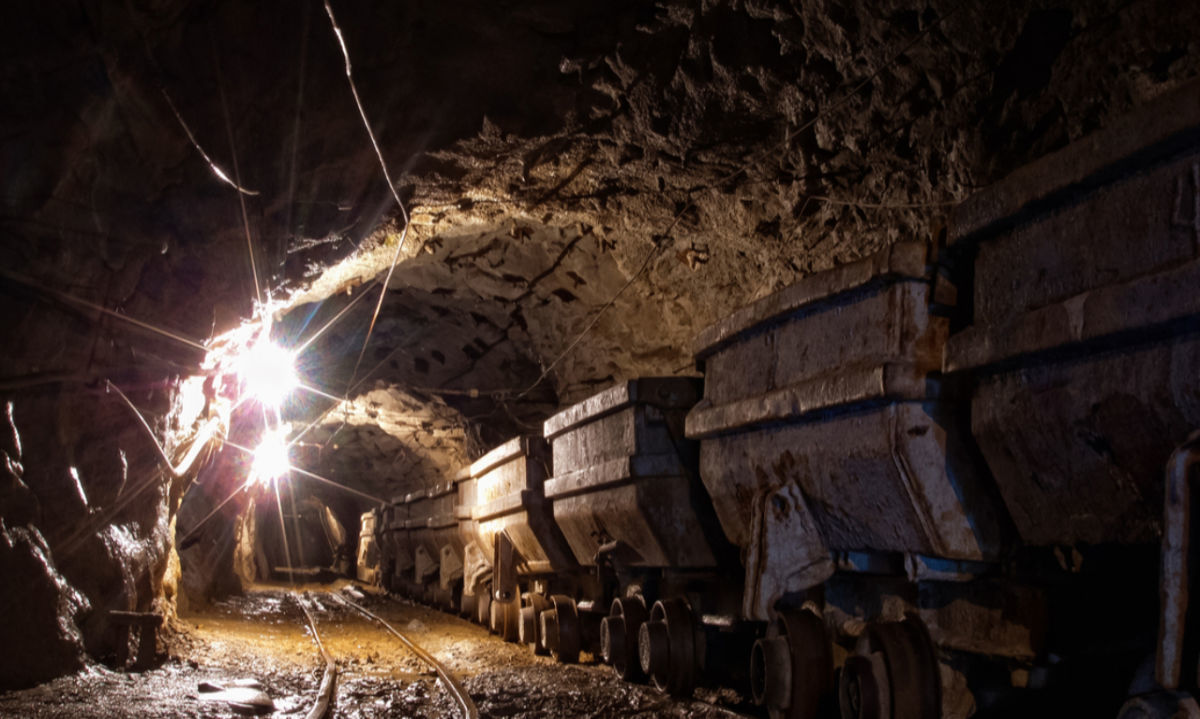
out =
column 602, row 359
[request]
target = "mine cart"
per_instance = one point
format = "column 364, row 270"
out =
column 828, row 446
column 367, row 564
column 395, row 548
column 424, row 569
column 1083, row 326
column 515, row 531
column 627, row 496
column 446, row 542
column 435, row 537
column 1081, row 318
column 476, row 567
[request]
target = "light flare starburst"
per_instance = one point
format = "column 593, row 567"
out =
column 268, row 373
column 271, row 456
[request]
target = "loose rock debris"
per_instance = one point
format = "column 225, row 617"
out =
column 241, row 696
column 247, row 653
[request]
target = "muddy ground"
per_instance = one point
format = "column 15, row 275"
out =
column 263, row 636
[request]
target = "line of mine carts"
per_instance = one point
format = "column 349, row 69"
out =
column 927, row 483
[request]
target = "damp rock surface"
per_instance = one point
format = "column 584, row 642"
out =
column 38, row 624
column 588, row 185
column 261, row 641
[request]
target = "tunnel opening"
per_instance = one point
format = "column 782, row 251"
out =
column 274, row 284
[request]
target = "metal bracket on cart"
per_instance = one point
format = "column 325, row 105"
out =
column 1170, row 700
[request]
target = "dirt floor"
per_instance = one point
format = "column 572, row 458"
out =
column 263, row 637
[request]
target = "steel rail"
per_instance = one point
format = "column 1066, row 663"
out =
column 465, row 704
column 325, row 694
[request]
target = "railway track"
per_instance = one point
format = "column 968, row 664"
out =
column 326, row 695
column 326, row 698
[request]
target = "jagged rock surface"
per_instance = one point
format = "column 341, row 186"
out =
column 658, row 164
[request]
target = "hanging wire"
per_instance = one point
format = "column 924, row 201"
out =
column 79, row 301
column 216, row 169
column 258, row 294
column 337, row 31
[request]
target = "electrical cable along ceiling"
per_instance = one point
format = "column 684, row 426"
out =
column 451, row 219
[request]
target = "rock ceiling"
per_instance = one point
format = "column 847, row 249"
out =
column 588, row 184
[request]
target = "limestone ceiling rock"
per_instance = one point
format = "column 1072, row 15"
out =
column 698, row 156
column 737, row 117
column 475, row 318
column 387, row 442
column 664, row 163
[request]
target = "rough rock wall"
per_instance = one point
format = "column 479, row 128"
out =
column 707, row 154
column 86, row 525
column 385, row 442
column 752, row 143
column 696, row 154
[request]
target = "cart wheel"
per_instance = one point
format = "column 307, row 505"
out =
column 895, row 674
column 791, row 669
column 666, row 647
column 530, row 624
column 561, row 626
column 619, row 637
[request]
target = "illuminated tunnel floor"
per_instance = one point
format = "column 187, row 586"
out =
column 263, row 636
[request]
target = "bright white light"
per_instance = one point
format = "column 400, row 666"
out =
column 267, row 372
column 271, row 457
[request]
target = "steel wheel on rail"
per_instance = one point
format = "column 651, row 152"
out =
column 894, row 674
column 530, row 624
column 560, row 629
column 667, row 647
column 619, row 637
column 508, row 620
column 791, row 669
